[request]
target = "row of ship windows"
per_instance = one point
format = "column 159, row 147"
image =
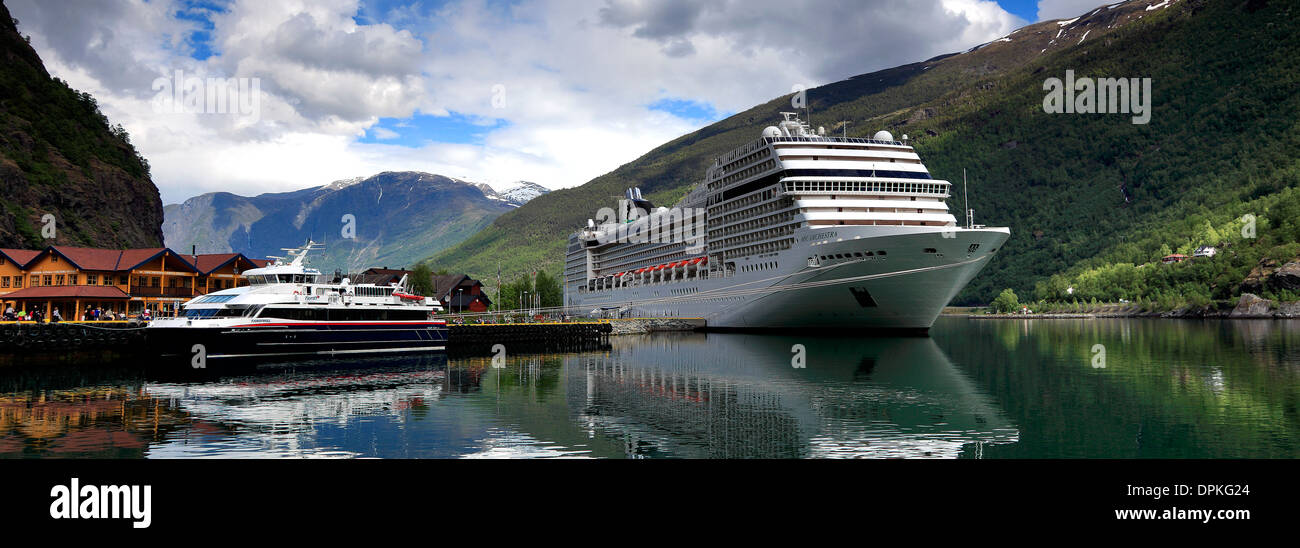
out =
column 759, row 248
column 742, row 202
column 854, row 255
column 864, row 186
column 761, row 235
column 758, row 266
column 727, row 159
column 753, row 211
column 744, row 161
column 743, row 174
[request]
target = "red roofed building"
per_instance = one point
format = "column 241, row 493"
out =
column 123, row 281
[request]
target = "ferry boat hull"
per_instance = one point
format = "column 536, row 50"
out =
column 297, row 338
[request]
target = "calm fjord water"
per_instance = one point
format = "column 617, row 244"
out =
column 973, row 389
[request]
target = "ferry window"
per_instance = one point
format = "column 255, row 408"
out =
column 286, row 278
column 881, row 253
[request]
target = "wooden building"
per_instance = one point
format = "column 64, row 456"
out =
column 122, row 281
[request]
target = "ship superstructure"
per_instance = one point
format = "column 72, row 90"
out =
column 794, row 229
column 289, row 308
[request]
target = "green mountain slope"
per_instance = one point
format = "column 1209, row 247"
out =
column 1073, row 187
column 60, row 156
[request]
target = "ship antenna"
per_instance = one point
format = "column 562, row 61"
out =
column 965, row 194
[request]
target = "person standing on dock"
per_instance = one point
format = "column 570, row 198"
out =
column 55, row 317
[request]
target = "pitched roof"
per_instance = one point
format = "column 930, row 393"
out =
column 20, row 256
column 90, row 258
column 68, row 291
column 444, row 284
column 207, row 263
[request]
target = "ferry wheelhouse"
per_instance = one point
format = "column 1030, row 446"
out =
column 289, row 308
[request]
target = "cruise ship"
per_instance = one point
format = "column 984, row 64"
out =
column 291, row 309
column 795, row 229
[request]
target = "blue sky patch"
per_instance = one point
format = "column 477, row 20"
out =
column 422, row 129
column 200, row 13
column 1024, row 9
column 688, row 109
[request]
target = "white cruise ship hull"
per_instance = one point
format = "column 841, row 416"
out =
column 905, row 288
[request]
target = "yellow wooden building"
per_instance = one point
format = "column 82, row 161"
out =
column 74, row 280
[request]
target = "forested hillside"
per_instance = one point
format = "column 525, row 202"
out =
column 60, row 156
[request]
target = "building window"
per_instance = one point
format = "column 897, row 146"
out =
column 18, row 281
column 92, row 279
column 36, row 281
column 156, row 281
column 58, row 279
column 171, row 282
column 123, row 280
column 47, row 280
column 4, row 281
column 108, row 279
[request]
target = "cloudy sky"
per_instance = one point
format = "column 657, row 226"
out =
column 551, row 91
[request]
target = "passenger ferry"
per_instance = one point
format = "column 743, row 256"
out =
column 290, row 309
column 795, row 229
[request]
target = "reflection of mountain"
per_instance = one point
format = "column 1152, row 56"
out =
column 1166, row 389
column 729, row 396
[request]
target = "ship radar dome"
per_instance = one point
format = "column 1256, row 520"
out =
column 771, row 131
column 883, row 135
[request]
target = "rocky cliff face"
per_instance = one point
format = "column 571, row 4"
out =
column 60, row 156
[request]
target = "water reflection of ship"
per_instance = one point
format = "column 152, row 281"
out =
column 272, row 409
column 737, row 396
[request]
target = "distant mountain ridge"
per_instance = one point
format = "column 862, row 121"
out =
column 396, row 218
column 516, row 194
